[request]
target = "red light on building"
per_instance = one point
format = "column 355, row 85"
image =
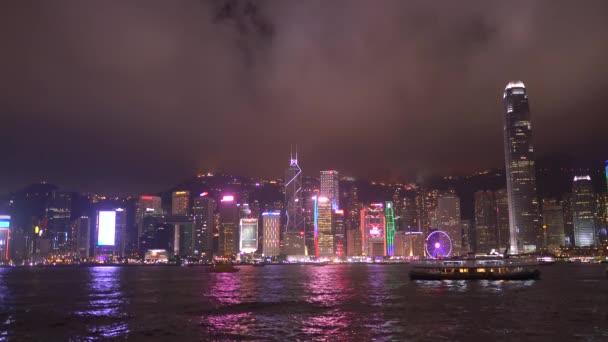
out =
column 146, row 198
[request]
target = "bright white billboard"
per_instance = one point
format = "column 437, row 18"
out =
column 107, row 228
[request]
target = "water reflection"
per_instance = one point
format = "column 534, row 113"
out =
column 105, row 315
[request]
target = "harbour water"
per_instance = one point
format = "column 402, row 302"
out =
column 290, row 303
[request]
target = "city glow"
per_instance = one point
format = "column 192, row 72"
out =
column 180, row 192
column 228, row 198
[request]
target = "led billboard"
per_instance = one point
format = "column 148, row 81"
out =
column 249, row 235
column 106, row 231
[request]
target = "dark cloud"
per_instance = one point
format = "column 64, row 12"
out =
column 133, row 95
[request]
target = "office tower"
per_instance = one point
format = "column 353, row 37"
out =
column 5, row 226
column 339, row 233
column 468, row 236
column 180, row 203
column 409, row 216
column 447, row 216
column 414, row 244
column 426, row 202
column 229, row 220
column 271, row 222
column 583, row 212
column 568, row 219
column 353, row 223
column 82, row 239
column 293, row 197
column 202, row 212
column 502, row 217
column 553, row 224
column 248, row 242
column 524, row 227
column 485, row 222
column 145, row 206
column 58, row 214
column 148, row 233
column 373, row 230
column 110, row 230
column 329, row 187
column 309, row 223
column 324, row 238
column 389, row 218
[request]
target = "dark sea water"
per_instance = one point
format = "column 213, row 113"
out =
column 291, row 303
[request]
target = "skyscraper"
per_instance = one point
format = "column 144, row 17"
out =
column 229, row 234
column 293, row 196
column 324, row 236
column 502, row 218
column 293, row 238
column 524, row 225
column 82, row 238
column 248, row 242
column 373, row 230
column 58, row 214
column 553, row 224
column 180, row 203
column 5, row 225
column 583, row 212
column 271, row 222
column 447, row 216
column 389, row 216
column 339, row 233
column 485, row 222
column 330, row 187
column 202, row 210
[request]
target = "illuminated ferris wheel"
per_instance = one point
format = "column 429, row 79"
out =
column 438, row 245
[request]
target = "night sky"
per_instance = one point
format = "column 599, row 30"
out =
column 133, row 96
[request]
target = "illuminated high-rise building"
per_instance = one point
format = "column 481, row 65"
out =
column 389, row 217
column 5, row 226
column 271, row 233
column 524, row 224
column 583, row 212
column 324, row 237
column 294, row 235
column 339, row 233
column 82, row 238
column 330, row 187
column 485, row 222
column 248, row 235
column 58, row 214
column 145, row 206
column 229, row 230
column 180, row 203
column 553, row 224
column 202, row 212
column 447, row 219
column 373, row 230
column 110, row 233
column 502, row 218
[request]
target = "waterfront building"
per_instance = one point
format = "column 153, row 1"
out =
column 373, row 230
column 248, row 242
column 82, row 237
column 324, row 237
column 202, row 212
column 553, row 225
column 447, row 219
column 271, row 226
column 583, row 212
column 524, row 224
column 229, row 234
column 486, row 236
column 5, row 226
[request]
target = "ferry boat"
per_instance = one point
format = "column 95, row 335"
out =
column 475, row 269
column 223, row 268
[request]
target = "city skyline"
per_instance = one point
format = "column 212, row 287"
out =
column 412, row 93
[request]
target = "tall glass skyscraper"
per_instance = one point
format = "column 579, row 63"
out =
column 583, row 212
column 524, row 223
column 330, row 187
column 293, row 237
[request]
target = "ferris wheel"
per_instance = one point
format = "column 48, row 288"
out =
column 438, row 245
